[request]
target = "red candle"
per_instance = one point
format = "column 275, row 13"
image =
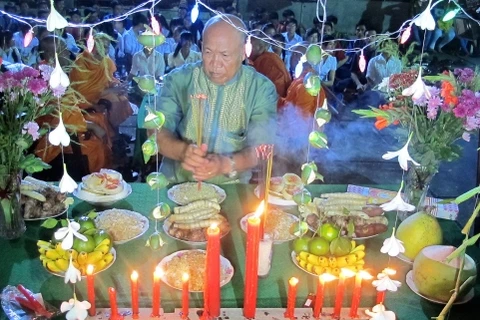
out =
column 134, row 288
column 91, row 290
column 292, row 295
column 357, row 291
column 157, row 274
column 345, row 273
column 185, row 297
column 381, row 297
column 251, row 264
column 113, row 304
column 381, row 294
column 212, row 287
column 322, row 279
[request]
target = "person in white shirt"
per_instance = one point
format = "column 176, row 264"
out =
column 147, row 62
column 383, row 65
column 8, row 52
column 326, row 69
column 27, row 54
column 130, row 41
column 183, row 53
column 291, row 39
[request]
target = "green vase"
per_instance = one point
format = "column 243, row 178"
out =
column 12, row 225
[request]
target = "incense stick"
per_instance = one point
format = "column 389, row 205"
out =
column 268, row 176
column 200, row 131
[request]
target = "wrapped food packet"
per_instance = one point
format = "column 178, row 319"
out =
column 19, row 303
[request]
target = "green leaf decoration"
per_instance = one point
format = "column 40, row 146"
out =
column 350, row 228
column 149, row 148
column 467, row 195
column 64, row 223
column 92, row 214
column 322, row 116
column 157, row 180
column 154, row 119
column 50, row 223
column 309, row 172
column 318, row 139
column 155, row 241
column 22, row 143
column 314, row 54
column 302, row 197
column 146, row 83
column 299, row 229
column 150, row 39
column 461, row 249
column 161, row 211
column 312, row 84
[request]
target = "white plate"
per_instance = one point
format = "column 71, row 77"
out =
column 192, row 243
column 45, row 218
column 276, row 200
column 62, row 274
column 102, row 200
column 193, row 187
column 294, row 259
column 411, row 284
column 404, row 259
column 243, row 225
column 140, row 217
column 225, row 265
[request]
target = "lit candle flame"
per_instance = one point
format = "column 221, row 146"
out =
column 365, row 275
column 389, row 271
column 327, row 277
column 293, row 281
column 158, row 273
column 185, row 277
column 214, row 226
column 90, row 268
column 134, row 276
column 260, row 209
column 347, row 273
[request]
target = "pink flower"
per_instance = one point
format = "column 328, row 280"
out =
column 464, row 75
column 59, row 91
column 472, row 123
column 32, row 129
column 37, row 86
column 29, row 72
column 46, row 71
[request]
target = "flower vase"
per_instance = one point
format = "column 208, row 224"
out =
column 12, row 225
column 417, row 184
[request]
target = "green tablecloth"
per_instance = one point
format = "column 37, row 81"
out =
column 20, row 264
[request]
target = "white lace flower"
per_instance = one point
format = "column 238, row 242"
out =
column 397, row 203
column 55, row 20
column 380, row 313
column 72, row 274
column 385, row 283
column 67, row 184
column 67, row 233
column 77, row 310
column 392, row 246
column 417, row 89
column 59, row 135
column 402, row 154
column 58, row 77
column 425, row 20
column 384, row 85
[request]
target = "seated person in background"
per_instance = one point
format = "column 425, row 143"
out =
column 312, row 36
column 240, row 106
column 384, row 64
column 291, row 39
column 75, row 17
column 89, row 135
column 8, row 52
column 270, row 65
column 183, row 53
column 28, row 53
column 130, row 42
column 327, row 67
column 279, row 48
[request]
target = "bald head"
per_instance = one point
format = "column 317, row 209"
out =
column 229, row 22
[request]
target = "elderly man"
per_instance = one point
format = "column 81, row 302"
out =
column 238, row 113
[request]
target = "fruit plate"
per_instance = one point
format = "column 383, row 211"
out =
column 402, row 257
column 187, row 192
column 112, row 251
column 411, row 284
column 294, row 259
column 225, row 265
column 117, row 219
column 102, row 200
column 353, row 238
column 275, row 200
column 192, row 243
column 45, row 218
column 243, row 225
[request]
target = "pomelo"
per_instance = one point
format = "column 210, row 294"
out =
column 435, row 278
column 418, row 231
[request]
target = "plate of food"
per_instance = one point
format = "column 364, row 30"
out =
column 282, row 189
column 187, row 192
column 343, row 209
column 192, row 262
column 189, row 223
column 41, row 200
column 278, row 225
column 103, row 188
column 122, row 225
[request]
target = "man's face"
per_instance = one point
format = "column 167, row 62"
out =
column 182, row 12
column 313, row 38
column 270, row 32
column 360, row 31
column 291, row 28
column 371, row 35
column 118, row 10
column 328, row 46
column 222, row 53
column 119, row 26
column 76, row 18
column 327, row 30
column 294, row 59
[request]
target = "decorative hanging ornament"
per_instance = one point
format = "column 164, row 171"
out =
column 154, row 119
column 28, row 38
column 425, row 20
column 299, row 66
column 155, row 25
column 248, row 46
column 60, row 134
column 90, row 41
column 67, row 184
column 55, row 20
column 146, row 83
column 58, row 77
column 195, row 12
column 157, row 180
column 362, row 63
column 314, row 54
column 318, row 139
column 322, row 116
column 312, row 84
column 406, row 34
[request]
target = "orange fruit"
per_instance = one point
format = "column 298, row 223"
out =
column 87, row 246
column 319, row 246
column 328, row 231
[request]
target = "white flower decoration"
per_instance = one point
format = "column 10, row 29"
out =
column 58, row 77
column 392, row 246
column 425, row 19
column 379, row 313
column 77, row 310
column 397, row 203
column 384, row 86
column 67, row 184
column 385, row 283
column 55, row 20
column 59, row 135
column 73, row 274
column 417, row 89
column 402, row 154
column 67, row 233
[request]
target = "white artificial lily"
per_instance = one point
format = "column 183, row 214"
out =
column 417, row 89
column 67, row 233
column 402, row 154
column 380, row 313
column 299, row 66
column 72, row 274
column 425, row 20
column 59, row 135
column 77, row 310
column 55, row 20
column 385, row 283
column 67, row 184
column 392, row 246
column 58, row 77
column 397, row 203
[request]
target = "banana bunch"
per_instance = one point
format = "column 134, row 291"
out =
column 55, row 259
column 331, row 264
